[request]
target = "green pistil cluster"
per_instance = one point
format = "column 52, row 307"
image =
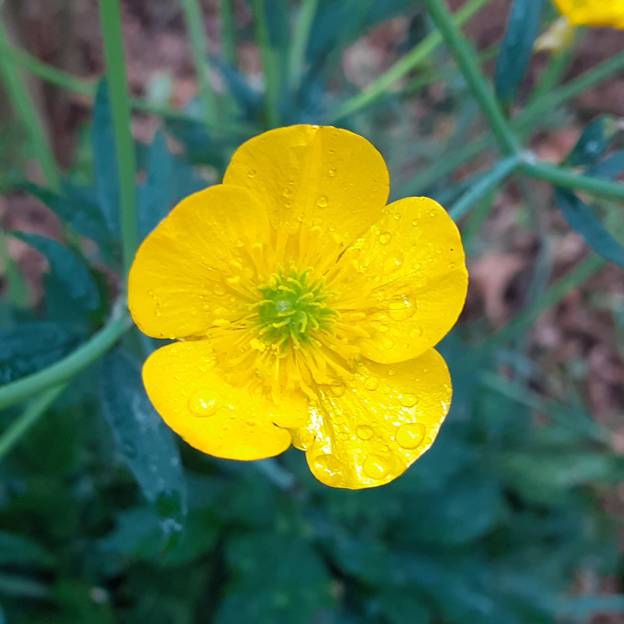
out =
column 292, row 309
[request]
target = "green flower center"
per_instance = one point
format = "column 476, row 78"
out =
column 292, row 309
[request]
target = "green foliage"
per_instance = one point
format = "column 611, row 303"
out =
column 106, row 517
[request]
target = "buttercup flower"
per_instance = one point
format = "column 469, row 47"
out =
column 593, row 12
column 305, row 309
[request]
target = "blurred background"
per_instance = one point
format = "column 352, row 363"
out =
column 513, row 517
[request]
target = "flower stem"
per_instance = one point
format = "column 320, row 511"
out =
column 199, row 50
column 227, row 24
column 63, row 370
column 407, row 63
column 22, row 424
column 303, row 23
column 484, row 186
column 466, row 60
column 269, row 64
column 110, row 19
column 559, row 176
column 28, row 115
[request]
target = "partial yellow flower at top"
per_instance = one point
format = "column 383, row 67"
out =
column 305, row 309
column 609, row 13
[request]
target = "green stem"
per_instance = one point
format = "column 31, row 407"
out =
column 484, row 186
column 559, row 176
column 28, row 116
column 269, row 64
column 303, row 24
column 199, row 50
column 228, row 39
column 403, row 66
column 120, row 110
column 466, row 60
column 63, row 370
column 21, row 425
column 16, row 289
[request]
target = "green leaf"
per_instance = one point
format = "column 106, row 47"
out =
column 30, row 347
column 18, row 550
column 400, row 607
column 71, row 293
column 74, row 205
column 169, row 180
column 611, row 167
column 517, row 46
column 581, row 219
column 275, row 578
column 143, row 441
column 105, row 160
column 592, row 143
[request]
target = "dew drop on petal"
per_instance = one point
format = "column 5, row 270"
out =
column 338, row 389
column 408, row 400
column 376, row 467
column 322, row 201
column 202, row 406
column 410, row 435
column 364, row 432
column 393, row 264
column 331, row 172
column 416, row 332
column 328, row 466
column 388, row 344
column 385, row 238
column 401, row 309
column 251, row 173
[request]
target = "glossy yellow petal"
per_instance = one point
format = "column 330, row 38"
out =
column 609, row 13
column 195, row 269
column 213, row 416
column 368, row 432
column 314, row 176
column 410, row 280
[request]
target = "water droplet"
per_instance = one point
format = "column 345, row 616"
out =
column 415, row 222
column 251, row 173
column 201, row 405
column 364, row 432
column 387, row 344
column 322, row 201
column 338, row 389
column 376, row 467
column 328, row 466
column 385, row 238
column 401, row 309
column 288, row 191
column 432, row 213
column 396, row 216
column 371, row 383
column 233, row 280
column 331, row 172
column 393, row 264
column 410, row 435
column 408, row 400
column 416, row 332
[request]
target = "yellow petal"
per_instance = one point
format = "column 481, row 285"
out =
column 213, row 416
column 316, row 176
column 559, row 36
column 195, row 269
column 593, row 12
column 410, row 280
column 368, row 432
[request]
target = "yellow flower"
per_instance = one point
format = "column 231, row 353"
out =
column 593, row 12
column 305, row 309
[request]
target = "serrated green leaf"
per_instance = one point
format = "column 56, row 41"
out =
column 76, row 206
column 581, row 219
column 517, row 46
column 275, row 578
column 30, row 347
column 71, row 294
column 143, row 441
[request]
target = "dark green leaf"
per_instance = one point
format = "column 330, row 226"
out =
column 71, row 292
column 582, row 220
column 169, row 179
column 517, row 45
column 592, row 143
column 400, row 607
column 18, row 550
column 76, row 206
column 143, row 441
column 32, row 346
column 611, row 167
column 275, row 578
